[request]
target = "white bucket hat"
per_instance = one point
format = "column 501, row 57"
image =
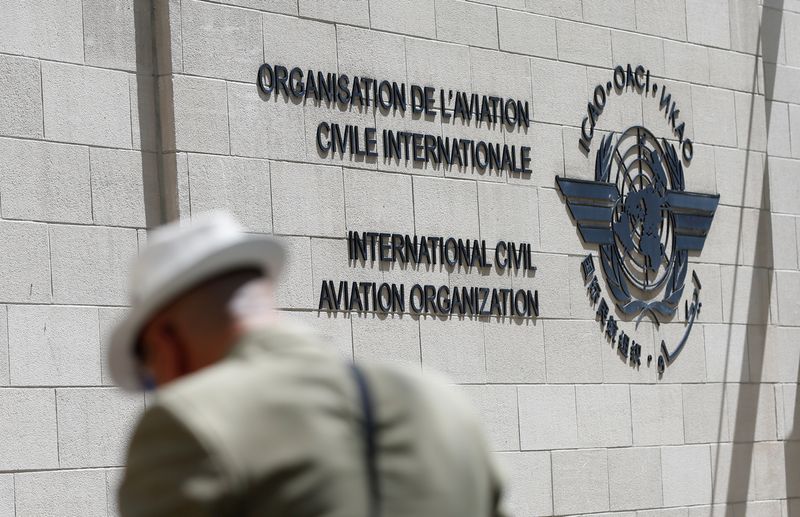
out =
column 178, row 257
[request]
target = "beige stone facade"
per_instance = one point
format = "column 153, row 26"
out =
column 118, row 115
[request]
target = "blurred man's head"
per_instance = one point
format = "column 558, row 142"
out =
column 196, row 289
column 200, row 327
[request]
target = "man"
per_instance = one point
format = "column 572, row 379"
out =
column 251, row 417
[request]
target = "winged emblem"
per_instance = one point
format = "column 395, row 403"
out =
column 643, row 220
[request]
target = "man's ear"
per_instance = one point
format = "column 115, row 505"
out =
column 165, row 355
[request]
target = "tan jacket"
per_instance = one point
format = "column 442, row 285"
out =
column 275, row 430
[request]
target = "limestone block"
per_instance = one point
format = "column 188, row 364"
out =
column 585, row 44
column 529, row 485
column 547, row 417
column 453, row 347
column 721, row 246
column 572, row 351
column 713, row 114
column 378, row 202
column 743, row 181
column 779, row 141
column 118, row 179
column 587, row 469
column 25, row 264
column 114, row 479
column 109, row 35
column 497, row 407
column 295, row 288
column 486, row 66
column 752, row 412
column 332, row 329
column 201, row 114
column 43, row 29
column 559, row 91
column 62, row 493
column 779, row 79
column 548, row 279
column 387, row 338
column 708, row 22
column 95, row 424
column 527, row 33
column 636, row 49
column 705, row 413
column 547, row 154
column 21, row 97
column 751, row 123
column 634, row 478
column 791, row 31
column 726, row 353
column 690, row 365
column 570, row 9
column 4, row 355
column 659, row 18
column 221, row 42
column 31, row 169
column 307, row 200
column 754, row 248
column 794, row 129
column 28, row 429
column 86, row 105
column 446, row 207
column 91, row 264
column 372, row 54
column 657, row 414
column 686, row 475
column 733, row 70
column 515, row 353
column 509, row 213
column 685, row 61
column 238, row 185
column 774, row 353
column 604, row 415
column 265, row 126
column 732, row 473
column 611, row 13
column 7, row 494
column 788, row 283
column 51, row 345
column 745, row 294
column 273, row 6
column 330, row 262
column 467, row 23
column 413, row 17
column 770, row 470
column 745, row 34
column 438, row 64
column 354, row 12
column 143, row 112
column 784, row 189
column 308, row 44
column 109, row 318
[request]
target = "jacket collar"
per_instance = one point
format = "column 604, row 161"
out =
column 280, row 339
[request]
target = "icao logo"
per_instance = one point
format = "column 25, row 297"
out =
column 638, row 212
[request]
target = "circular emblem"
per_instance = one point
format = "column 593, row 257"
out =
column 641, row 260
column 641, row 223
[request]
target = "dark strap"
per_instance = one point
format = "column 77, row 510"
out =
column 371, row 451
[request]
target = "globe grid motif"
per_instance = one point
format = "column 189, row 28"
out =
column 640, row 216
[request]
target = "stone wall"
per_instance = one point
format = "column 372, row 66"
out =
column 115, row 118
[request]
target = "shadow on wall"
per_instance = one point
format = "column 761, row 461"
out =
column 757, row 293
column 154, row 110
